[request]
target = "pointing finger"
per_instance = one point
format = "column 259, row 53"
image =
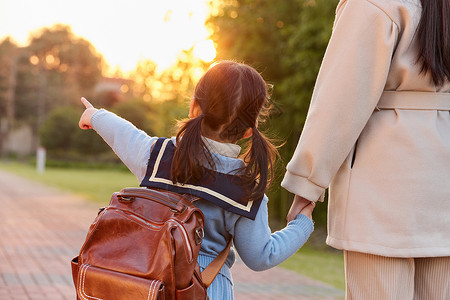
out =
column 86, row 103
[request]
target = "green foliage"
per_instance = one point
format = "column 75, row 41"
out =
column 27, row 95
column 8, row 70
column 50, row 73
column 145, row 80
column 169, row 91
column 168, row 113
column 57, row 133
column 137, row 112
column 8, row 57
column 59, row 51
column 53, row 70
column 306, row 43
column 285, row 41
column 88, row 144
column 61, row 136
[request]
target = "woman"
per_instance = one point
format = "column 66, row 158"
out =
column 378, row 134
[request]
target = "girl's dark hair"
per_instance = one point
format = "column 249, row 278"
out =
column 434, row 39
column 232, row 96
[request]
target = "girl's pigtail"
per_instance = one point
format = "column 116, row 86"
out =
column 189, row 152
column 260, row 160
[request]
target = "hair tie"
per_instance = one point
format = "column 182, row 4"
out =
column 201, row 116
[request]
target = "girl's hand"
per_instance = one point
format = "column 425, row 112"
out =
column 300, row 205
column 85, row 120
column 307, row 211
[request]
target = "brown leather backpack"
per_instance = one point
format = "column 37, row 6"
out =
column 144, row 245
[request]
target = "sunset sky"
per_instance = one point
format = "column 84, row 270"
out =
column 124, row 31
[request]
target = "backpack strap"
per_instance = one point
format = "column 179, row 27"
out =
column 211, row 271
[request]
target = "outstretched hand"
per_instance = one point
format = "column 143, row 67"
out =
column 85, row 119
column 302, row 206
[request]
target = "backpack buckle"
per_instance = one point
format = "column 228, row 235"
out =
column 100, row 210
column 199, row 234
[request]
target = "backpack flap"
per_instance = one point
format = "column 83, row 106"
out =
column 98, row 283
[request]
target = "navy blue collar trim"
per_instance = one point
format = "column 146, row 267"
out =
column 224, row 190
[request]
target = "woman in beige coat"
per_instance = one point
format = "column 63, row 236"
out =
column 378, row 134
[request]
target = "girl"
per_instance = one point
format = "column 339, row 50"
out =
column 227, row 102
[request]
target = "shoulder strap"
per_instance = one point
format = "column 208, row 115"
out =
column 211, row 271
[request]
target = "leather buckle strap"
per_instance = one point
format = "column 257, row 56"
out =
column 414, row 100
column 211, row 271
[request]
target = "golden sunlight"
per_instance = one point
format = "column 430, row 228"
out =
column 205, row 50
column 124, row 31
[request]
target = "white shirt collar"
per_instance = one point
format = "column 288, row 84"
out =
column 225, row 149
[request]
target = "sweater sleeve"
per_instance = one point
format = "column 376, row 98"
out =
column 260, row 249
column 350, row 82
column 130, row 144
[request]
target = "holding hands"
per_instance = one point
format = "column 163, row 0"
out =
column 302, row 206
column 85, row 120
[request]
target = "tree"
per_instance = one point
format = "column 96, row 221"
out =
column 61, row 136
column 54, row 70
column 57, row 132
column 137, row 112
column 8, row 75
column 306, row 43
column 285, row 41
column 168, row 92
column 252, row 32
column 58, row 50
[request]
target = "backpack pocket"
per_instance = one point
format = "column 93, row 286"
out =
column 95, row 283
column 195, row 291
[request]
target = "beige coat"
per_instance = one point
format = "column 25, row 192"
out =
column 387, row 162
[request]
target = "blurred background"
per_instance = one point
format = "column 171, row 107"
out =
column 141, row 60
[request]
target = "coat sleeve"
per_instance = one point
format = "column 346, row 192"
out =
column 131, row 145
column 259, row 248
column 350, row 82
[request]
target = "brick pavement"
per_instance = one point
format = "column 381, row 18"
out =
column 42, row 228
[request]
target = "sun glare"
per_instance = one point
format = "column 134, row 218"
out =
column 124, row 31
column 205, row 50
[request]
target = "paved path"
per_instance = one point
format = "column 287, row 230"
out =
column 42, row 228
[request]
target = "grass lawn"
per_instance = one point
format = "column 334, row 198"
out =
column 94, row 184
column 99, row 184
column 320, row 264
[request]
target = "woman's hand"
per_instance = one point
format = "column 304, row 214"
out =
column 308, row 209
column 302, row 206
column 85, row 120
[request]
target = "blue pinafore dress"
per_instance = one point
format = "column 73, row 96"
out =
column 224, row 190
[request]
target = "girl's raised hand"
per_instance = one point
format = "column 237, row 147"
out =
column 85, row 119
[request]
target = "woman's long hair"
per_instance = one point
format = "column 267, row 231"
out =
column 231, row 96
column 433, row 34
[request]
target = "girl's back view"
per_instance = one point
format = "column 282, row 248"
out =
column 205, row 161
